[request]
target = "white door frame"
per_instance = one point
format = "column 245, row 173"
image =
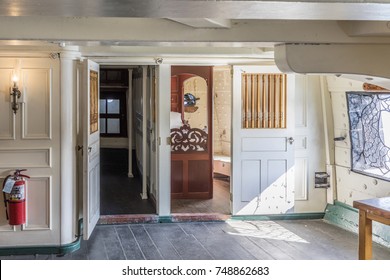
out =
column 163, row 130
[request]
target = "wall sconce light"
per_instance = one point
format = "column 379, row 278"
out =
column 15, row 93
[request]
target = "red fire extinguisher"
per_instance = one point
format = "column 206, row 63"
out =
column 14, row 191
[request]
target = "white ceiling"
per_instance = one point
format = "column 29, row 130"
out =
column 236, row 30
column 233, row 9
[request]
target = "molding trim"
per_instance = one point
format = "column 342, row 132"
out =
column 44, row 250
column 347, row 217
column 274, row 217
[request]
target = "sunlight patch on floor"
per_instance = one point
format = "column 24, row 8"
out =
column 263, row 229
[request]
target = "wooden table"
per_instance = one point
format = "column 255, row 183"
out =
column 375, row 209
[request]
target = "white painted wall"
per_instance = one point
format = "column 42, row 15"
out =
column 31, row 139
column 163, row 97
column 222, row 83
column 350, row 186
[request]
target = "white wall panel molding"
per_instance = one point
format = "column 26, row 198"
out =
column 35, row 146
column 39, row 211
column 36, row 87
column 300, row 143
column 4, row 226
column 7, row 117
column 301, row 178
column 302, row 135
column 301, row 91
column 25, row 158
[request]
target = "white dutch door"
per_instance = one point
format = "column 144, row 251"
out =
column 91, row 147
column 263, row 143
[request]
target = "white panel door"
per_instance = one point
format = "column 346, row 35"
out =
column 152, row 130
column 263, row 158
column 91, row 147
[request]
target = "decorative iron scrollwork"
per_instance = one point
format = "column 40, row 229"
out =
column 186, row 139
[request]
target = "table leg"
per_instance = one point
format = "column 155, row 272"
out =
column 365, row 236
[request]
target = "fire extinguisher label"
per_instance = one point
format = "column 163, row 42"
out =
column 17, row 193
column 8, row 186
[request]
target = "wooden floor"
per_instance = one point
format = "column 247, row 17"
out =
column 218, row 204
column 233, row 240
column 120, row 195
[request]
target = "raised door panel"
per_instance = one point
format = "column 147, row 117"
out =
column 39, row 215
column 177, row 176
column 37, row 91
column 198, row 177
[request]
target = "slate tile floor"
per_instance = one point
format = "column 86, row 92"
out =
column 246, row 240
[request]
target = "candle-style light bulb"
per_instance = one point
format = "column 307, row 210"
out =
column 15, row 80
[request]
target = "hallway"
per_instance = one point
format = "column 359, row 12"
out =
column 120, row 194
column 233, row 239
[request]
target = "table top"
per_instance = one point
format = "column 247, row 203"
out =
column 378, row 206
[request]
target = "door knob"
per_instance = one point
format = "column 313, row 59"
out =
column 290, row 140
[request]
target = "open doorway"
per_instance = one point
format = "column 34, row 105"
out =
column 122, row 93
column 200, row 133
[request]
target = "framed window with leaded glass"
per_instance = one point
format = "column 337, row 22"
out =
column 369, row 119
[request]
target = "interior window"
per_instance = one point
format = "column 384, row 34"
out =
column 369, row 116
column 264, row 100
column 113, row 116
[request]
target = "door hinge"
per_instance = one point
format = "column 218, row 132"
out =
column 231, row 196
column 169, row 141
column 80, row 148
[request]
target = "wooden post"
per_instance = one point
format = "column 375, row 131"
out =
column 280, row 101
column 252, row 101
column 274, row 117
column 365, row 236
column 246, row 123
column 258, row 102
column 263, row 103
column 269, row 101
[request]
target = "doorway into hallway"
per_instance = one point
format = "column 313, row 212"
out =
column 121, row 180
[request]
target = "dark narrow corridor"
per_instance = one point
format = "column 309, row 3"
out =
column 120, row 194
